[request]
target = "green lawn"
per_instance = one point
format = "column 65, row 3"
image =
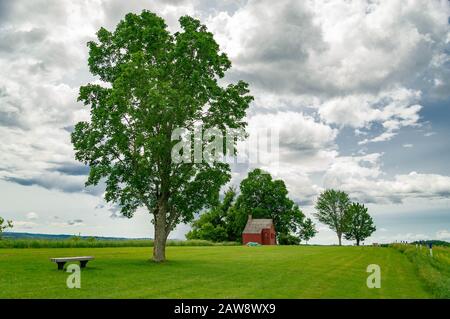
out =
column 212, row 272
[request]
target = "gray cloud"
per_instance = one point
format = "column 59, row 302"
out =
column 5, row 9
column 330, row 48
column 58, row 182
column 72, row 169
column 113, row 209
column 65, row 186
column 12, row 41
column 10, row 110
column 363, row 178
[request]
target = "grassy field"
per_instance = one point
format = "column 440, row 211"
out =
column 213, row 272
column 87, row 243
column 435, row 272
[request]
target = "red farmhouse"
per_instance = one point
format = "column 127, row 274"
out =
column 260, row 231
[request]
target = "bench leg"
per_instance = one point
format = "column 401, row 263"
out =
column 61, row 265
column 83, row 263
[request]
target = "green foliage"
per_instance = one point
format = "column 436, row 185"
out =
column 75, row 238
column 331, row 210
column 92, row 239
column 263, row 197
column 307, row 230
column 208, row 231
column 211, row 225
column 156, row 82
column 434, row 271
column 4, row 224
column 360, row 224
column 288, row 239
column 235, row 223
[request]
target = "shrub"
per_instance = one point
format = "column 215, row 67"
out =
column 288, row 239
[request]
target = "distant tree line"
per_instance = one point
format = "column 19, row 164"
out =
column 433, row 242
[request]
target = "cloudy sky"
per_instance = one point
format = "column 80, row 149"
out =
column 359, row 91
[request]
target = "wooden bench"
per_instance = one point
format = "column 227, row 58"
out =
column 63, row 260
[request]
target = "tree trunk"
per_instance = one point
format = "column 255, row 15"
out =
column 357, row 242
column 159, row 244
column 340, row 238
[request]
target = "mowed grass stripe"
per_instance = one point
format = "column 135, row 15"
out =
column 212, row 272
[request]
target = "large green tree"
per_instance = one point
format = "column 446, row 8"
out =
column 153, row 82
column 263, row 197
column 360, row 224
column 331, row 210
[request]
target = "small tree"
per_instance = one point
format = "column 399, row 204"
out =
column 307, row 230
column 5, row 224
column 360, row 224
column 331, row 210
